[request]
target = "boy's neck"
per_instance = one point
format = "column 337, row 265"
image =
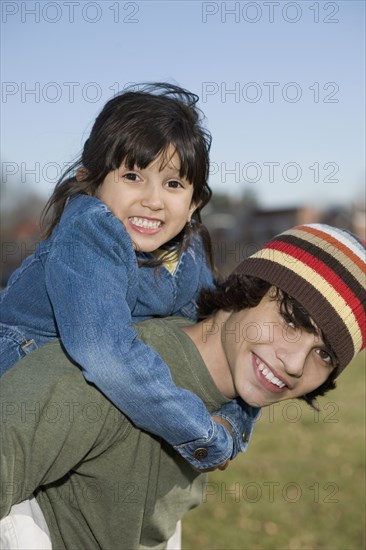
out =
column 206, row 335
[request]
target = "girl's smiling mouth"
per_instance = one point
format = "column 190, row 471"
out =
column 144, row 225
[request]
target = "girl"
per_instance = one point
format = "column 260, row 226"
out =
column 131, row 203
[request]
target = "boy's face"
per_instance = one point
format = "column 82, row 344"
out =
column 154, row 203
column 270, row 360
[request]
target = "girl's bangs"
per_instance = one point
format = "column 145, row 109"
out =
column 142, row 152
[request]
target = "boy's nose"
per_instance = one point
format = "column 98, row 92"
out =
column 294, row 363
column 293, row 355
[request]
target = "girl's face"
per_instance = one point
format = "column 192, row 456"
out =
column 153, row 203
column 269, row 359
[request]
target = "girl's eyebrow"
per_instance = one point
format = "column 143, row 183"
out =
column 173, row 170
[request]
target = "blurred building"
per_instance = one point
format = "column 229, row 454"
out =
column 243, row 227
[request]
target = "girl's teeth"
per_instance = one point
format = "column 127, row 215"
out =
column 146, row 224
column 270, row 376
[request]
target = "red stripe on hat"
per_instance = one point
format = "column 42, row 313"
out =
column 328, row 274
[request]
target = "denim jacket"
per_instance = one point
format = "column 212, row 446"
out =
column 83, row 285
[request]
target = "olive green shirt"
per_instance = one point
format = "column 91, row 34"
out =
column 100, row 481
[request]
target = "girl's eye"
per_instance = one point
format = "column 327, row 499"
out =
column 130, row 176
column 174, row 184
column 325, row 356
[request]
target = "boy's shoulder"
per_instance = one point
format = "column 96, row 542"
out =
column 34, row 371
column 49, row 379
column 181, row 355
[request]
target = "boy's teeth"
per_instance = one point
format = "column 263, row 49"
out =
column 270, row 376
column 147, row 224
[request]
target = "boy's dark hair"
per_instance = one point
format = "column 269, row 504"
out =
column 239, row 292
column 135, row 127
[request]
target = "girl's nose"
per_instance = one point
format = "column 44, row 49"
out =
column 152, row 197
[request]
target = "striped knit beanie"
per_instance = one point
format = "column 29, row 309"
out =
column 323, row 268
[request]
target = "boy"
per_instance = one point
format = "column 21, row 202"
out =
column 283, row 325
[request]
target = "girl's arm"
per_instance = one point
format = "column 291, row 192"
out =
column 89, row 272
column 240, row 416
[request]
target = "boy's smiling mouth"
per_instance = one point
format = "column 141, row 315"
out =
column 267, row 377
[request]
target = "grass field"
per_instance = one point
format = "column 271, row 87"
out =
column 300, row 485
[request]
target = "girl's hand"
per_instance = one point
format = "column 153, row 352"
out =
column 229, row 428
column 225, row 464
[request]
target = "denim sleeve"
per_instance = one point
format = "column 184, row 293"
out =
column 88, row 273
column 242, row 418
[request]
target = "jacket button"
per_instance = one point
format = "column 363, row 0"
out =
column 200, row 453
column 244, row 436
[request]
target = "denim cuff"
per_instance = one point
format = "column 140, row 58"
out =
column 208, row 452
column 242, row 418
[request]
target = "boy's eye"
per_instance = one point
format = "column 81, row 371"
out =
column 325, row 356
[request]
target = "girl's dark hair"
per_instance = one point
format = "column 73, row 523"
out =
column 239, row 292
column 134, row 128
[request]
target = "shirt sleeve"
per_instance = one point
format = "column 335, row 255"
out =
column 88, row 273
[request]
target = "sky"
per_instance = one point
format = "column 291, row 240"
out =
column 282, row 86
